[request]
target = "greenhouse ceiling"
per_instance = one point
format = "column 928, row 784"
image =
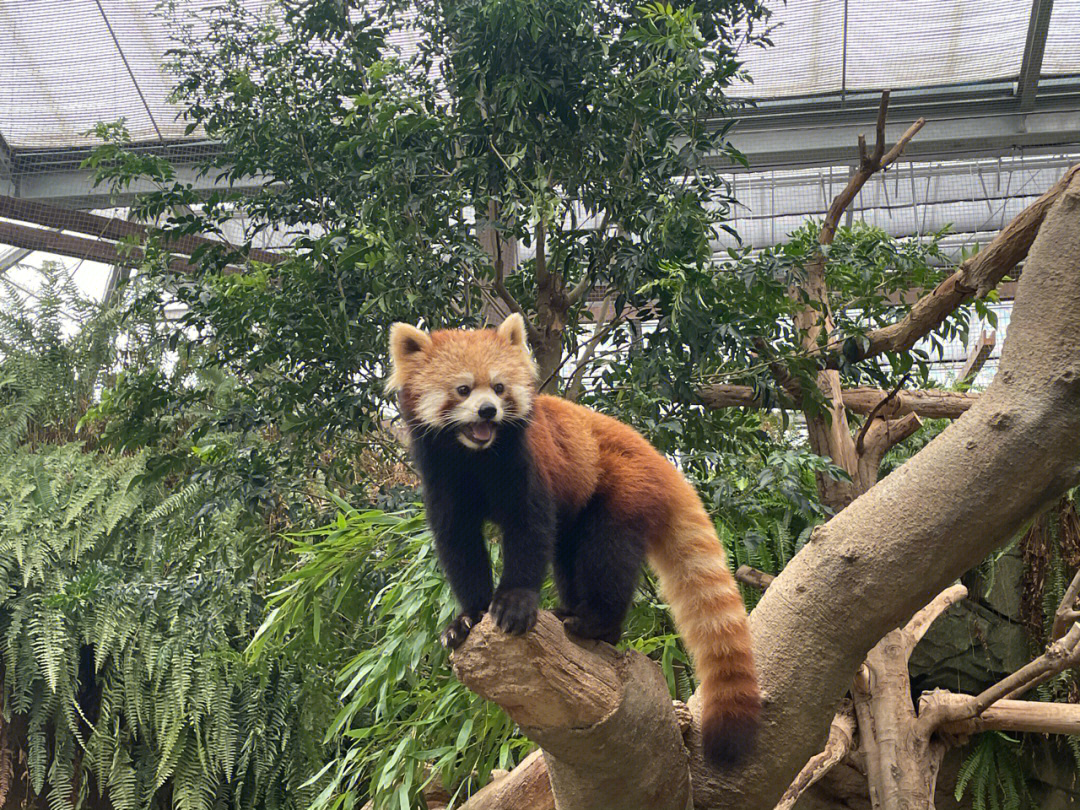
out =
column 998, row 82
column 991, row 74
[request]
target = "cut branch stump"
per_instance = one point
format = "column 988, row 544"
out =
column 603, row 719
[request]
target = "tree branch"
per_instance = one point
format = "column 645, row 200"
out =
column 1059, row 656
column 874, row 412
column 1066, row 614
column 916, row 628
column 867, row 167
column 882, row 435
column 789, row 384
column 573, row 387
column 978, row 356
column 527, row 787
column 813, row 627
column 604, row 720
column 838, row 746
column 578, row 291
column 541, row 252
column 929, row 403
column 976, row 276
column 753, row 577
column 1013, row 715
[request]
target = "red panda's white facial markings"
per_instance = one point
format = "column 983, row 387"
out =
column 468, row 380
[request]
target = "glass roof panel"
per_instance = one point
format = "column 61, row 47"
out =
column 1062, row 55
column 916, row 43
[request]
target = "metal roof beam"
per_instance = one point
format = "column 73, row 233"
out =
column 1031, row 68
column 786, row 141
column 11, row 258
column 7, row 171
column 74, row 187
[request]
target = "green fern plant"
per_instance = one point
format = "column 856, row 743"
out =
column 993, row 773
column 126, row 598
column 150, row 616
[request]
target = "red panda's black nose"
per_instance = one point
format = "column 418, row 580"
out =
column 487, row 411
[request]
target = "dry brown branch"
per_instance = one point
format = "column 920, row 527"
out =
column 1060, row 655
column 978, row 356
column 527, row 787
column 604, row 327
column 838, row 746
column 928, row 403
column 875, row 410
column 790, row 385
column 604, row 720
column 1066, row 614
column 843, row 592
column 881, row 436
column 916, row 628
column 1013, row 715
column 867, row 168
column 828, row 432
column 976, row 276
column 753, row 577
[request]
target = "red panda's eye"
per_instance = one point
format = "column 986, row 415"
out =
column 498, row 388
column 463, row 390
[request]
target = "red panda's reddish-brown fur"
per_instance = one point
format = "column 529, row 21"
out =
column 583, row 459
column 582, row 453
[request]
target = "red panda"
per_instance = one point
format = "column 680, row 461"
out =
column 571, row 488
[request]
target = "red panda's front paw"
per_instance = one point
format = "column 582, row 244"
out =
column 514, row 610
column 457, row 631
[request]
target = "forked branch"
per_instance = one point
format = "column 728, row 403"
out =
column 975, row 277
column 868, row 166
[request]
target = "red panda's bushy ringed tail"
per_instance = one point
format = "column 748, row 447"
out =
column 711, row 618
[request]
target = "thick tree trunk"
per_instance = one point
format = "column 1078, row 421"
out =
column 968, row 491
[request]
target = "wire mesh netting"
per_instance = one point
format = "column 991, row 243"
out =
column 838, row 46
column 1062, row 56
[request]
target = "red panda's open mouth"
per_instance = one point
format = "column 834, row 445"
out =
column 480, row 434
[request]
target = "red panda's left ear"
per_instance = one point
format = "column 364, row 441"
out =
column 513, row 330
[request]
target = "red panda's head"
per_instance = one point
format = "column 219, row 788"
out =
column 471, row 381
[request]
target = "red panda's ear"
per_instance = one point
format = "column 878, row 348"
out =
column 406, row 342
column 513, row 330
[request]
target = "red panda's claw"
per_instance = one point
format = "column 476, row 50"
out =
column 456, row 632
column 514, row 610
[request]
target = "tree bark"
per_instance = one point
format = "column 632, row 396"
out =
column 604, row 720
column 971, row 489
column 1016, row 715
column 527, row 787
column 841, row 739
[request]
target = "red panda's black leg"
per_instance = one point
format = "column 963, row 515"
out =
column 607, row 556
column 526, row 513
column 459, row 542
column 563, row 574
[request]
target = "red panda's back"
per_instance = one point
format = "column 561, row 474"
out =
column 564, row 449
column 583, row 453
